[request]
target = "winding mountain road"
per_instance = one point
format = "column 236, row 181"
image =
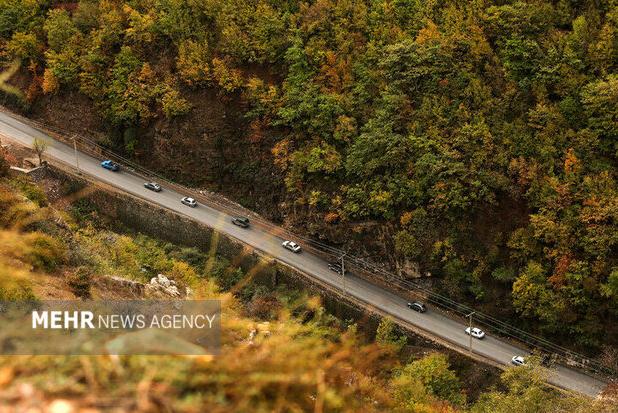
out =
column 434, row 322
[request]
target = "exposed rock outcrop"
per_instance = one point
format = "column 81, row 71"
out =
column 162, row 287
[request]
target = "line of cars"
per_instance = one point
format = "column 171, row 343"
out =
column 244, row 222
column 474, row 331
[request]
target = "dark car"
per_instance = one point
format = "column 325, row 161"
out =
column 241, row 222
column 153, row 186
column 335, row 266
column 107, row 164
column 416, row 306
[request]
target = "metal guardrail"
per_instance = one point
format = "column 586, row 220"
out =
column 565, row 355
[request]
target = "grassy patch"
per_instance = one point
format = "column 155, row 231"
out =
column 30, row 190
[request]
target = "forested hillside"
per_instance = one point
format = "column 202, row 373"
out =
column 477, row 139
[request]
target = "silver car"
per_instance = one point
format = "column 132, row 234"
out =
column 417, row 306
column 153, row 186
column 189, row 202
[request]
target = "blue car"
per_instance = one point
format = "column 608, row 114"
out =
column 110, row 165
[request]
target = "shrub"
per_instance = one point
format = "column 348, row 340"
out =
column 408, row 245
column 78, row 256
column 263, row 306
column 264, row 303
column 229, row 79
column 13, row 284
column 35, row 194
column 30, row 190
column 173, row 104
column 228, row 278
column 434, row 374
column 504, row 274
column 192, row 255
column 44, row 252
column 14, row 212
column 23, row 46
column 183, row 273
column 387, row 334
column 83, row 209
column 80, row 282
column 71, row 187
column 13, row 291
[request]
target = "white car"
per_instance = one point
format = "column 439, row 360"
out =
column 476, row 332
column 189, row 202
column 291, row 245
column 518, row 360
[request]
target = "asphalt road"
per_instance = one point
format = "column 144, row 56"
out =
column 434, row 322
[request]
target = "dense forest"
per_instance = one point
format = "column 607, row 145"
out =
column 477, row 140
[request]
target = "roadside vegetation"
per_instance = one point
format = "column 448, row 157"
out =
column 476, row 141
column 281, row 350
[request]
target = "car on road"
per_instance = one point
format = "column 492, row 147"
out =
column 518, row 361
column 335, row 266
column 153, row 186
column 475, row 332
column 291, row 245
column 241, row 222
column 189, row 201
column 112, row 166
column 417, row 306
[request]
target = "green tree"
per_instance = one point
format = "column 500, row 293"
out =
column 60, row 30
column 131, row 90
column 488, row 130
column 387, row 334
column 521, row 60
column 23, row 46
column 17, row 15
column 173, row 104
column 193, row 62
column 600, row 99
column 434, row 373
column 610, row 288
column 533, row 297
column 64, row 65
